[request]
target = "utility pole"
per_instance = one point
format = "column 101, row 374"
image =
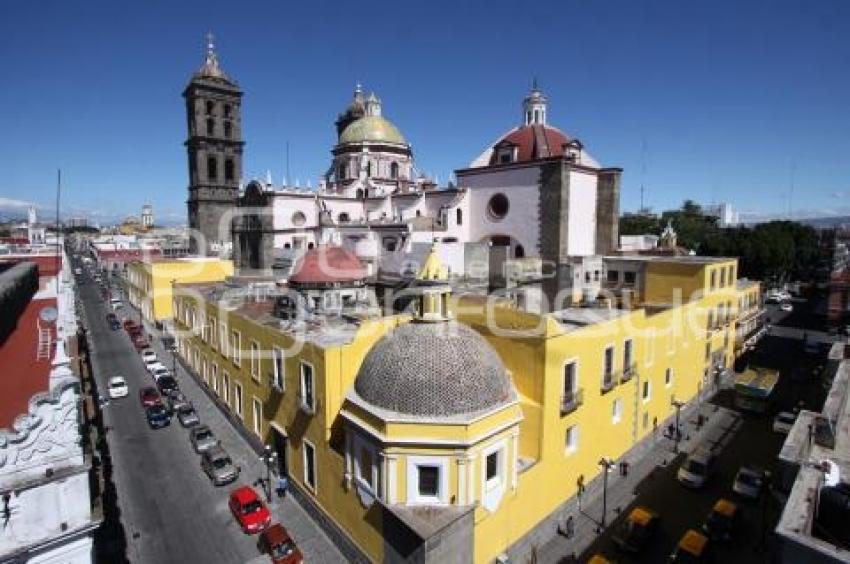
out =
column 606, row 464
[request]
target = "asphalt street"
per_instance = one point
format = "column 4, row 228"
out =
column 752, row 442
column 169, row 509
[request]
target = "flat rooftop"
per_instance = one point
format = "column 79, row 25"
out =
column 684, row 259
column 579, row 317
column 250, row 302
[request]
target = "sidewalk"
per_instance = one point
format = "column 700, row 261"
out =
column 584, row 513
column 310, row 536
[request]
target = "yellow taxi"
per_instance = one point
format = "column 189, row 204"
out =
column 721, row 523
column 693, row 548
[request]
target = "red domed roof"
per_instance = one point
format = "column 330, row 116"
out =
column 532, row 142
column 328, row 265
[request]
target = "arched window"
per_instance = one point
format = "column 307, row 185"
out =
column 228, row 169
column 360, row 193
column 212, row 168
column 210, row 127
column 369, row 169
column 459, row 214
column 394, row 171
column 418, row 213
column 209, row 107
column 519, row 251
column 310, row 245
column 340, row 173
column 227, row 110
column 228, row 129
column 343, row 217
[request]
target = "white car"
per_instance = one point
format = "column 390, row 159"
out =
column 159, row 372
column 783, row 422
column 148, row 356
column 116, row 303
column 118, row 387
column 696, row 469
column 785, row 306
column 155, row 366
column 748, row 482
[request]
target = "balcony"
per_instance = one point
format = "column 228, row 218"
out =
column 571, row 401
column 609, row 382
column 628, row 372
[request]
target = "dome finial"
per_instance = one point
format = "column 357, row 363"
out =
column 534, row 85
column 358, row 88
column 534, row 106
column 211, row 67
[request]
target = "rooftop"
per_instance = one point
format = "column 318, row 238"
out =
column 579, row 317
column 683, row 259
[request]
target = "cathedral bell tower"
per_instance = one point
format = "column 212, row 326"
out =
column 214, row 147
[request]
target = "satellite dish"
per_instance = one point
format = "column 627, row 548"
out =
column 48, row 314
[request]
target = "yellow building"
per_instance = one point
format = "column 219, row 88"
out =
column 149, row 282
column 456, row 432
column 751, row 315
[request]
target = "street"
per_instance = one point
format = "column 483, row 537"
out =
column 752, row 443
column 168, row 508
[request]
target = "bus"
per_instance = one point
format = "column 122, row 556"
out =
column 754, row 388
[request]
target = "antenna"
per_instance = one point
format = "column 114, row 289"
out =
column 58, row 247
column 793, row 173
column 288, row 178
column 642, row 172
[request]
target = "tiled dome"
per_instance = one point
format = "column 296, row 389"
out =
column 433, row 369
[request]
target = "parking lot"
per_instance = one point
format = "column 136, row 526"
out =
column 169, row 510
column 750, row 442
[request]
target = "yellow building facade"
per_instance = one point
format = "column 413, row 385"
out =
column 149, row 282
column 393, row 466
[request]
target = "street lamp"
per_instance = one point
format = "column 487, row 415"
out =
column 607, row 464
column 268, row 458
column 677, row 435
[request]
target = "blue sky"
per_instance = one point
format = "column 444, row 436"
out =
column 715, row 101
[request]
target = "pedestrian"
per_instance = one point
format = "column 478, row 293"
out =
column 282, row 485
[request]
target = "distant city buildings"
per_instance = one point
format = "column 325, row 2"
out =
column 726, row 215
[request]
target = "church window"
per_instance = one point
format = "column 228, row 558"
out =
column 360, row 193
column 519, row 251
column 228, row 169
column 536, row 116
column 209, row 107
column 343, row 217
column 212, row 168
column 459, row 215
column 418, row 213
column 389, row 243
column 394, row 170
column 228, row 129
column 210, row 127
column 369, row 169
column 310, row 245
column 227, row 110
column 340, row 173
column 299, row 219
column 497, row 207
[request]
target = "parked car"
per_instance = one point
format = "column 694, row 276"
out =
column 159, row 372
column 178, row 400
column 166, row 384
column 218, row 466
column 636, row 530
column 722, row 522
column 116, row 303
column 148, row 356
column 748, row 482
column 202, row 438
column 115, row 325
column 250, row 511
column 140, row 342
column 149, row 396
column 118, row 387
column 158, row 416
column 111, row 317
column 154, row 366
column 276, row 542
column 697, row 468
column 129, row 324
column 783, row 422
column 693, row 548
column 187, row 416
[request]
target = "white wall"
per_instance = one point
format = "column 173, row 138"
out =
column 581, row 226
column 522, row 221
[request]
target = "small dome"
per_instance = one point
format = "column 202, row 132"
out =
column 437, row 370
column 374, row 129
column 328, row 265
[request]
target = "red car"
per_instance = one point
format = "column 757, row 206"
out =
column 149, row 396
column 129, row 324
column 276, row 542
column 251, row 513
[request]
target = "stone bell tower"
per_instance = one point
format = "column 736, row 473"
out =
column 214, row 147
